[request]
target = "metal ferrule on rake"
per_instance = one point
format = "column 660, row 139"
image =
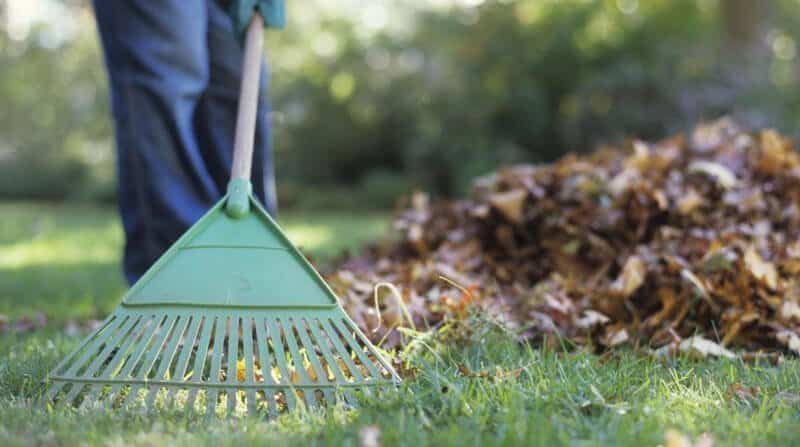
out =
column 231, row 319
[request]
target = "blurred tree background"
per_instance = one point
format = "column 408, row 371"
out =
column 375, row 98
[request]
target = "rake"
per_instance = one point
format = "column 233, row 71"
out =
column 232, row 319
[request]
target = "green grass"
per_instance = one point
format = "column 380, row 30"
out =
column 62, row 261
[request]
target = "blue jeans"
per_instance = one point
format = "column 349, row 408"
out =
column 174, row 69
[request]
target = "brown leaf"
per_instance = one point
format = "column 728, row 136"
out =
column 632, row 277
column 761, row 270
column 509, row 204
column 743, row 392
column 3, row 323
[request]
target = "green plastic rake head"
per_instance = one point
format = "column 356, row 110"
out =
column 231, row 319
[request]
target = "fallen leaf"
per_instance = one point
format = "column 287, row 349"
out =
column 743, row 392
column 369, row 436
column 632, row 277
column 509, row 203
column 241, row 371
column 3, row 323
column 591, row 319
column 722, row 175
column 691, row 201
column 702, row 347
column 761, row 270
column 615, row 337
column 698, row 285
column 790, row 340
column 28, row 324
column 790, row 310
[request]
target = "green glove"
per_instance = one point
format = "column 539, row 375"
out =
column 241, row 11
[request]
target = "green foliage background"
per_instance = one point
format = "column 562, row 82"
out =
column 441, row 92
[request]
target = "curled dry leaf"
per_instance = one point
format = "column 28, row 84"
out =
column 702, row 347
column 632, row 277
column 509, row 204
column 790, row 340
column 760, row 269
column 722, row 175
column 615, row 337
column 591, row 319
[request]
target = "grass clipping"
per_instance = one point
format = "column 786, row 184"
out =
column 645, row 245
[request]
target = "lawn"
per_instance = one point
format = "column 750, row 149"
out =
column 61, row 261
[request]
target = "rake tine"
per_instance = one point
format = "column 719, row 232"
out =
column 300, row 324
column 84, row 343
column 339, row 378
column 133, row 394
column 169, row 353
column 269, row 397
column 330, row 359
column 233, row 361
column 190, row 398
column 170, row 397
column 249, row 363
column 186, row 349
column 93, row 348
column 344, row 355
column 379, row 358
column 73, row 393
column 90, row 396
column 290, row 397
column 216, row 351
column 51, row 393
column 297, row 360
column 119, row 357
column 141, row 346
column 202, row 349
column 263, row 349
column 280, row 353
column 165, row 328
column 211, row 402
column 112, row 343
column 216, row 362
column 152, row 394
column 112, row 396
column 358, row 350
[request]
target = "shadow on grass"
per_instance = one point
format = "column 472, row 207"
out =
column 61, row 291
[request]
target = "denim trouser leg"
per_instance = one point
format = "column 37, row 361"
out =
column 174, row 69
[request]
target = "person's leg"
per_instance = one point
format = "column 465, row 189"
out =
column 216, row 114
column 156, row 53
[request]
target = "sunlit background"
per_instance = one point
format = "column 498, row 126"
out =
column 375, row 98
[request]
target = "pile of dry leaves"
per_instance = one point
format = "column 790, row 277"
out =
column 685, row 240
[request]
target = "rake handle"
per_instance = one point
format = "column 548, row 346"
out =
column 248, row 100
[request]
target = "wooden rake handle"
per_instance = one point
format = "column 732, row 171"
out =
column 248, row 100
column 239, row 187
